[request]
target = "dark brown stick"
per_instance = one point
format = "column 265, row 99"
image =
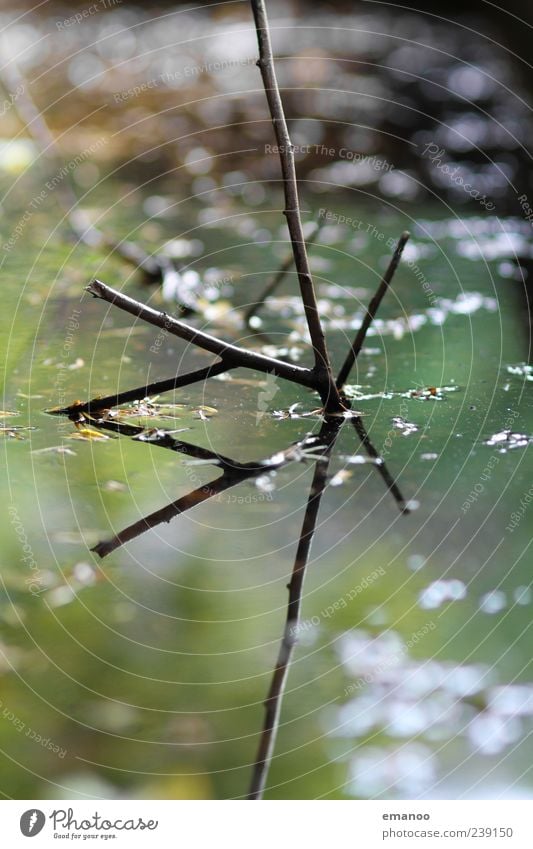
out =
column 292, row 204
column 231, row 355
column 162, row 439
column 371, row 311
column 273, row 284
column 273, row 702
column 380, row 464
column 140, row 392
column 165, row 514
column 234, row 473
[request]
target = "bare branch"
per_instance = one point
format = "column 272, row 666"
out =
column 329, row 432
column 233, row 474
column 371, row 311
column 290, row 186
column 165, row 514
column 380, row 464
column 140, row 392
column 231, row 355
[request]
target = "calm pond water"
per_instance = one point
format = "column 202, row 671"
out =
column 143, row 675
column 147, row 670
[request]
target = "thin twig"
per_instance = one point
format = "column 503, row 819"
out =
column 371, row 311
column 165, row 514
column 380, row 464
column 273, row 284
column 233, row 473
column 161, row 439
column 140, row 392
column 329, row 433
column 292, row 204
column 231, row 355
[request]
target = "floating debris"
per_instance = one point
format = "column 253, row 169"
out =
column 522, row 595
column 60, row 596
column 55, row 449
column 490, row 734
column 431, row 393
column 416, row 562
column 293, row 353
column 292, row 414
column 114, row 486
column 493, row 602
column 505, row 440
column 340, row 477
column 441, row 591
column 429, row 456
column 522, row 370
column 426, row 393
column 265, row 483
column 77, row 364
column 362, row 459
column 14, row 432
column 88, row 434
column 512, row 700
column 406, row 428
column 146, row 410
column 204, row 413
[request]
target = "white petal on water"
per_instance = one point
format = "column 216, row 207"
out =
column 512, row 700
column 522, row 595
column 416, row 562
column 493, row 601
column 490, row 734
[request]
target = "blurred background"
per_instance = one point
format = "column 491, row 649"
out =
column 143, row 675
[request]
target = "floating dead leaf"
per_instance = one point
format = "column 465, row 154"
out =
column 4, row 414
column 88, row 434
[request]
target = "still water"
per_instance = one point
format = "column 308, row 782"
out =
column 143, row 675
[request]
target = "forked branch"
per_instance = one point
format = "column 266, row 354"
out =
column 233, row 473
column 231, row 355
